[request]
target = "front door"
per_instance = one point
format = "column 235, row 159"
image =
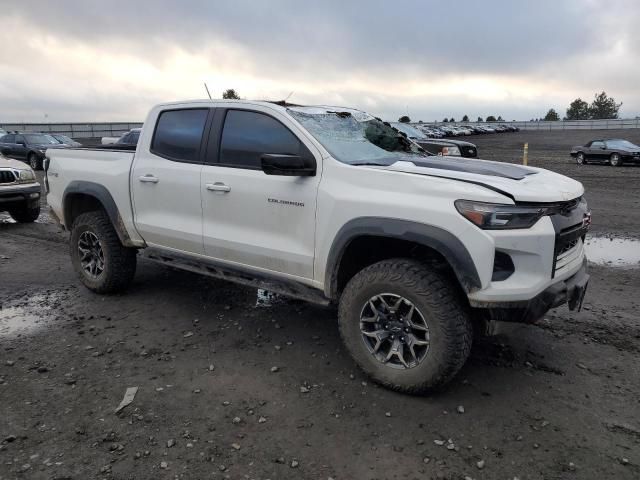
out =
column 19, row 148
column 251, row 218
column 597, row 152
column 165, row 181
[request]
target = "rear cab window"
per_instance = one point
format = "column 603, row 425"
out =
column 178, row 134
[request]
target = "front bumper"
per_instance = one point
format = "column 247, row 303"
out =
column 570, row 291
column 630, row 158
column 19, row 194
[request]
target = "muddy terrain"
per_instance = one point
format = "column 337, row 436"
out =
column 238, row 384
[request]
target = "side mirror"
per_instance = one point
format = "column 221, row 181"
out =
column 288, row 165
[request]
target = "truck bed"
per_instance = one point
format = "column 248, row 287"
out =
column 108, row 169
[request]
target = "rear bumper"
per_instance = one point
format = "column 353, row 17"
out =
column 19, row 194
column 570, row 291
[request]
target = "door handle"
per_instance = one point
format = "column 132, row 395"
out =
column 218, row 187
column 148, row 178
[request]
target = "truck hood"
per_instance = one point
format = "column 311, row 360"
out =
column 522, row 184
column 10, row 163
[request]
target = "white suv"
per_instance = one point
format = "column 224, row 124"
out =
column 331, row 205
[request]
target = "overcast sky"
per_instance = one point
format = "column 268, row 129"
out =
column 88, row 60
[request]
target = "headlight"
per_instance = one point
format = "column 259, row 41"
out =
column 26, row 176
column 451, row 151
column 493, row 216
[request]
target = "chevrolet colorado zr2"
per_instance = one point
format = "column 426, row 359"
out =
column 330, row 205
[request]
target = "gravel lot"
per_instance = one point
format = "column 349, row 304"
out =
column 232, row 387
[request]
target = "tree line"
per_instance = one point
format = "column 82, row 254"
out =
column 603, row 107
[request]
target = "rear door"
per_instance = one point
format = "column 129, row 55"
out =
column 251, row 218
column 165, row 180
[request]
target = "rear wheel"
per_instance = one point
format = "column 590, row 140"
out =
column 35, row 162
column 25, row 213
column 581, row 159
column 615, row 160
column 405, row 325
column 102, row 262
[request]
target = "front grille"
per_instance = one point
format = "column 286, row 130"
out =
column 7, row 176
column 569, row 246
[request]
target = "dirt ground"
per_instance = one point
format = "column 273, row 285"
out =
column 229, row 387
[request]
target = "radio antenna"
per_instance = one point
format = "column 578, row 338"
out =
column 207, row 89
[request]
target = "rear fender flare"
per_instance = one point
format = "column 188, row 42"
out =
column 103, row 196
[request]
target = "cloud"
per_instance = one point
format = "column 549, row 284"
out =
column 84, row 60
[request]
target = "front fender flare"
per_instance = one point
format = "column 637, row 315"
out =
column 438, row 239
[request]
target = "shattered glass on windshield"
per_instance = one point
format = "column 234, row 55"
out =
column 355, row 137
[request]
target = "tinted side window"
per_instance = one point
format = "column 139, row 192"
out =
column 597, row 144
column 134, row 137
column 246, row 136
column 20, row 138
column 179, row 134
column 8, row 138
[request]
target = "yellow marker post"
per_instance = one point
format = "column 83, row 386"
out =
column 525, row 156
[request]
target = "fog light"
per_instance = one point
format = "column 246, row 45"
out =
column 34, row 195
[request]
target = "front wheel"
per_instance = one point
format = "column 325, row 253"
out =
column 102, row 262
column 34, row 162
column 405, row 325
column 615, row 160
column 26, row 213
column 580, row 159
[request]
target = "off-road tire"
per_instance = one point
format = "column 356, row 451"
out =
column 119, row 261
column 442, row 306
column 34, row 162
column 26, row 213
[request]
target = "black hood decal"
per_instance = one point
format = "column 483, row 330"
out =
column 478, row 167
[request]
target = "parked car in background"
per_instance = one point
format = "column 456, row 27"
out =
column 612, row 151
column 65, row 140
column 436, row 146
column 28, row 147
column 129, row 138
column 19, row 191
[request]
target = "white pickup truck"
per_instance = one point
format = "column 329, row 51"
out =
column 333, row 206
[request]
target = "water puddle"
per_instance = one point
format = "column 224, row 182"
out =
column 613, row 251
column 26, row 316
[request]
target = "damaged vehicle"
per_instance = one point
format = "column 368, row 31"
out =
column 437, row 147
column 333, row 206
column 19, row 191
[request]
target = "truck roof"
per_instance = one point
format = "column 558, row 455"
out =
column 278, row 105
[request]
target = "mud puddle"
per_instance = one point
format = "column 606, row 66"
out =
column 613, row 251
column 26, row 316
